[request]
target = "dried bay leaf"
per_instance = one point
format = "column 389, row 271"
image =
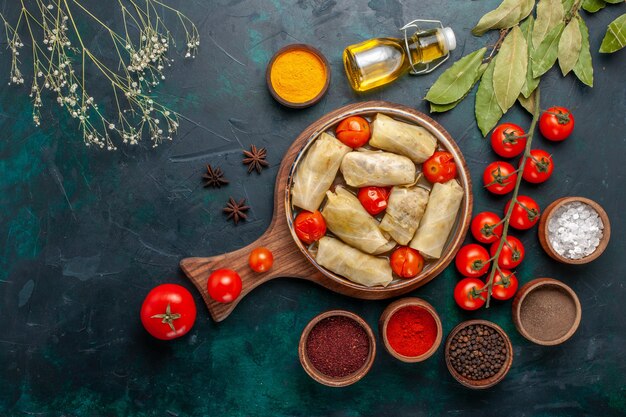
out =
column 529, row 103
column 506, row 15
column 583, row 68
column 615, row 38
column 614, row 1
column 549, row 14
column 457, row 80
column 486, row 108
column 569, row 46
column 531, row 82
column 509, row 73
column 440, row 108
column 593, row 6
column 544, row 56
column 567, row 5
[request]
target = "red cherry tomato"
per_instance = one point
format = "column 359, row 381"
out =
column 525, row 213
column 504, row 285
column 353, row 131
column 406, row 262
column 506, row 140
column 472, row 260
column 468, row 294
column 374, row 199
column 168, row 311
column 224, row 285
column 261, row 259
column 310, row 227
column 556, row 123
column 511, row 255
column 538, row 167
column 484, row 227
column 499, row 177
column 440, row 167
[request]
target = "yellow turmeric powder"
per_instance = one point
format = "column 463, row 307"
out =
column 298, row 75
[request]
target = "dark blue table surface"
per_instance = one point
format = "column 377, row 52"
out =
column 86, row 234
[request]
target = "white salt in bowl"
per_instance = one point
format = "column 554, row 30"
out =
column 577, row 243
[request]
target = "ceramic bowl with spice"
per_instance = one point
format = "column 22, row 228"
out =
column 574, row 230
column 410, row 329
column 298, row 76
column 546, row 311
column 478, row 353
column 337, row 348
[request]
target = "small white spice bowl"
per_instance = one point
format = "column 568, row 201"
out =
column 545, row 240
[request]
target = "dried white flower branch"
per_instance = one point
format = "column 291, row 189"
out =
column 60, row 56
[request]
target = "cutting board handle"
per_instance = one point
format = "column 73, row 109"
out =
column 288, row 262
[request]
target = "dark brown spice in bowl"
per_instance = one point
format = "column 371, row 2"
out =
column 548, row 313
column 337, row 346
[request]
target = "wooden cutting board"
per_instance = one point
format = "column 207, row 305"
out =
column 289, row 259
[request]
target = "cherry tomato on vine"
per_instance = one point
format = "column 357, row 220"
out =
column 511, row 255
column 168, row 311
column 309, row 227
column 472, row 260
column 538, row 167
column 525, row 213
column 261, row 259
column 353, row 131
column 499, row 177
column 374, row 199
column 556, row 123
column 406, row 262
column 508, row 140
column 483, row 227
column 440, row 167
column 468, row 294
column 224, row 285
column 504, row 285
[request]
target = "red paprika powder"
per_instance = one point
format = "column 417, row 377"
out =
column 411, row 331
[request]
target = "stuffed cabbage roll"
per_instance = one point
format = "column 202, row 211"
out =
column 413, row 141
column 405, row 208
column 443, row 205
column 376, row 168
column 317, row 171
column 353, row 264
column 346, row 218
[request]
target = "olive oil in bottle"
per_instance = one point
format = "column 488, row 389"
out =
column 379, row 61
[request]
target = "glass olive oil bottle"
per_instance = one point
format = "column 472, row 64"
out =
column 379, row 61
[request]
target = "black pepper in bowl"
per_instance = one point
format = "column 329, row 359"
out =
column 478, row 353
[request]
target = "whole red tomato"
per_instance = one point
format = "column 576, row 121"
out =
column 484, row 227
column 406, row 262
column 261, row 259
column 472, row 260
column 224, row 285
column 508, row 140
column 525, row 213
column 168, row 311
column 538, row 167
column 504, row 285
column 310, row 227
column 468, row 294
column 499, row 177
column 556, row 123
column 511, row 255
column 374, row 199
column 353, row 131
column 440, row 167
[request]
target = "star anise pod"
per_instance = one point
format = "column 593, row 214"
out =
column 214, row 177
column 236, row 210
column 255, row 159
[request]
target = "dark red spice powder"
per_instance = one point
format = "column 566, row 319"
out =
column 411, row 331
column 337, row 346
